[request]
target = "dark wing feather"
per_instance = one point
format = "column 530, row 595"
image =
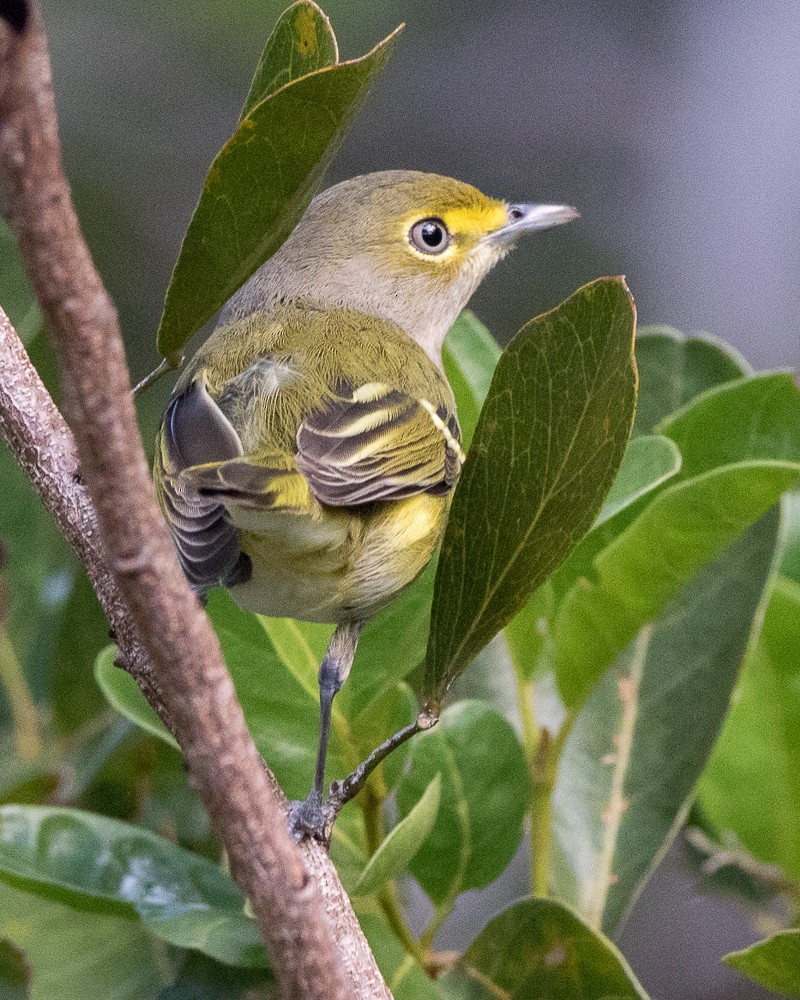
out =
column 378, row 443
column 195, row 432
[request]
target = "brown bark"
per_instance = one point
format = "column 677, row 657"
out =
column 116, row 528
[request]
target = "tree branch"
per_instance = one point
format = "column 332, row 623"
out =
column 117, row 530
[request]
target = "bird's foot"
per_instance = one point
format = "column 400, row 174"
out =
column 313, row 818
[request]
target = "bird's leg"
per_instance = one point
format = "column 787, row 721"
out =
column 314, row 818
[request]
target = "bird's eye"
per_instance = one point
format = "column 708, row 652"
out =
column 430, row 236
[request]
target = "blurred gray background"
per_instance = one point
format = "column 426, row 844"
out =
column 674, row 128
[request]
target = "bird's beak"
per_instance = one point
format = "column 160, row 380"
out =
column 524, row 218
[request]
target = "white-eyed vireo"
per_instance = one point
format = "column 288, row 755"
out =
column 309, row 452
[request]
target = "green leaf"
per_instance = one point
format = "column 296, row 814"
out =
column 774, row 963
column 695, row 363
column 791, row 518
column 470, row 357
column 538, row 948
column 391, row 646
column 72, row 952
column 752, row 783
column 201, row 978
column 301, row 42
column 124, row 696
column 258, row 188
column 673, row 369
column 403, row 843
column 382, row 717
column 751, row 427
column 548, row 445
column 628, row 769
column 485, row 793
column 710, row 431
column 639, row 573
column 280, row 697
column 649, row 461
column 108, row 865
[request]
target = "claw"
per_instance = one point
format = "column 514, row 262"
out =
column 312, row 819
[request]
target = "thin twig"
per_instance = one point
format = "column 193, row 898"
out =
column 134, row 565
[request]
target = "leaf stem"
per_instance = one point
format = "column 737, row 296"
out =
column 170, row 364
column 394, row 914
column 23, row 707
column 527, row 715
column 543, row 777
column 440, row 913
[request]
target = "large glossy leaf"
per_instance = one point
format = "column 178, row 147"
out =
column 740, row 445
column 301, row 42
column 402, row 843
column 752, row 783
column 548, row 445
column 649, row 461
column 258, row 187
column 75, row 856
column 280, row 698
column 73, row 953
column 774, row 963
column 640, row 572
column 673, row 369
column 686, row 367
column 538, row 948
column 710, row 431
column 485, row 793
column 636, row 750
column 470, row 357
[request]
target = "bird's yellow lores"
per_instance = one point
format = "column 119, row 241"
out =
column 309, row 452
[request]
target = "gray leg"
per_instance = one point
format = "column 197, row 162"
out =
column 313, row 818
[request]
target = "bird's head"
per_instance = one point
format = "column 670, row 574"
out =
column 406, row 246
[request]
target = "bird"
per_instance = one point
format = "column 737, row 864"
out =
column 309, row 452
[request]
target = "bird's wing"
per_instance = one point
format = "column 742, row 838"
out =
column 375, row 442
column 194, row 430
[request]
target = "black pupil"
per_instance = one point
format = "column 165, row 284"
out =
column 431, row 234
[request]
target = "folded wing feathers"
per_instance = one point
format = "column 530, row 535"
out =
column 378, row 443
